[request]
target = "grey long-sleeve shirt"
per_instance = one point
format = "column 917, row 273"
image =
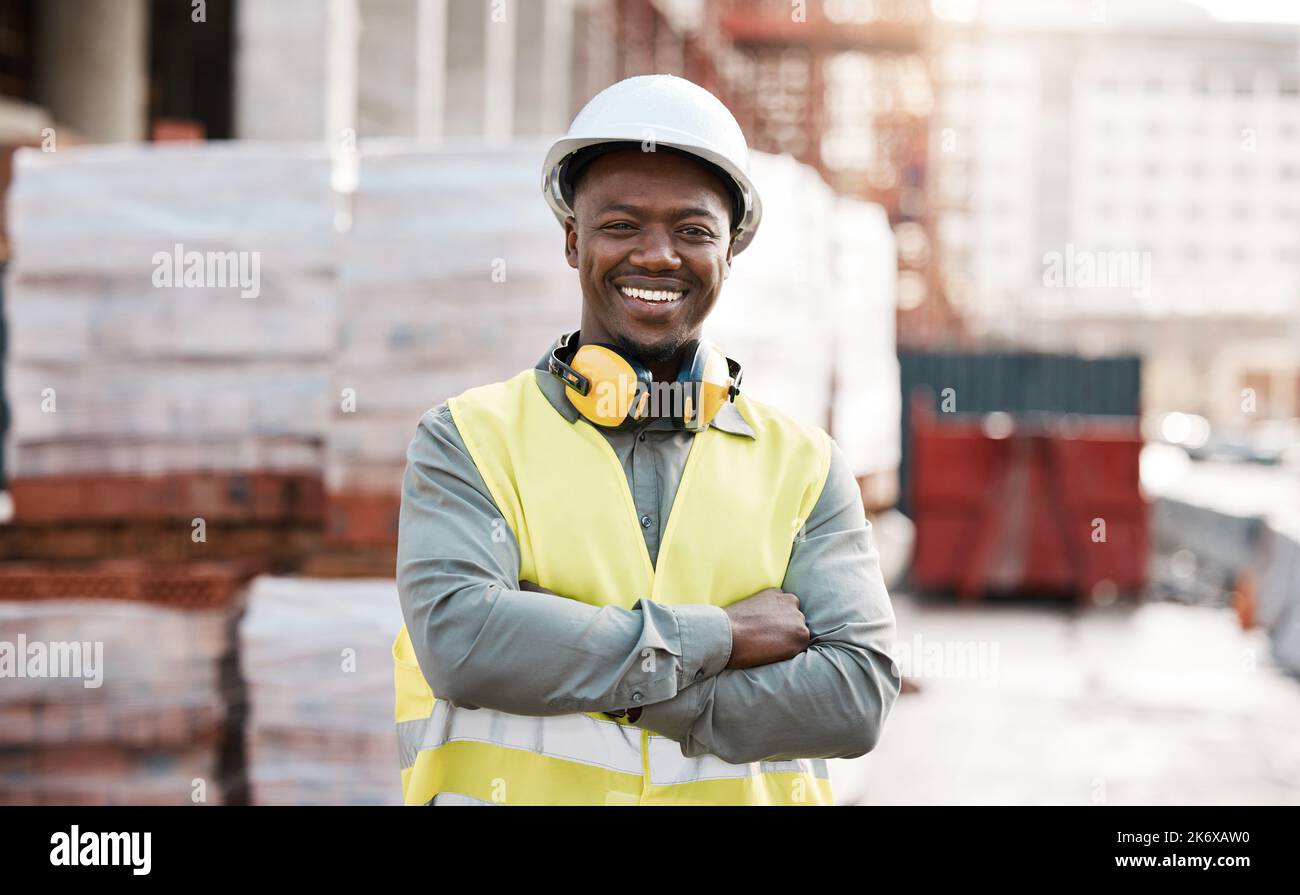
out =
column 482, row 642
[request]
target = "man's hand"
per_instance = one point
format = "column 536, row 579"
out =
column 765, row 628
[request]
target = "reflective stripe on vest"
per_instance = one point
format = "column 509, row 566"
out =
column 455, row 798
column 577, row 737
column 563, row 492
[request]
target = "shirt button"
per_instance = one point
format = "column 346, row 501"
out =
column 641, row 437
column 636, row 696
column 645, row 521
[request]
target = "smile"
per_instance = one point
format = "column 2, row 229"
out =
column 657, row 295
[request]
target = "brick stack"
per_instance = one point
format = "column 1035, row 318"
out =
column 272, row 517
column 160, row 723
column 316, row 656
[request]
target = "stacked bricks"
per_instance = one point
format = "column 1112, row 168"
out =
column 144, row 704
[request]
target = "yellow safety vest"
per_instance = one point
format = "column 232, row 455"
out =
column 564, row 494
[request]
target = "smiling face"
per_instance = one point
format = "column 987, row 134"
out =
column 651, row 241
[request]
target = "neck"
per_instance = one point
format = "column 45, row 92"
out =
column 666, row 371
column 663, row 371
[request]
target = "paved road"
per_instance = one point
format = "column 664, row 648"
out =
column 1029, row 704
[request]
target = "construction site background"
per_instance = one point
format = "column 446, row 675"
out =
column 1034, row 266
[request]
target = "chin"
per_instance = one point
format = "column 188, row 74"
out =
column 651, row 351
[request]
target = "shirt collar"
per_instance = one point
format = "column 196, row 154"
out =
column 728, row 419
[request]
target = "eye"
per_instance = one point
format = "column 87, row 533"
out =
column 697, row 232
column 618, row 224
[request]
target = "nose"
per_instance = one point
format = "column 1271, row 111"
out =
column 654, row 250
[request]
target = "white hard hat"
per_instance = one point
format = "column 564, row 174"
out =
column 662, row 110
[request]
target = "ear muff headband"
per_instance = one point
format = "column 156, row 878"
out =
column 615, row 391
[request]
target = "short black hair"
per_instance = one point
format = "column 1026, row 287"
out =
column 575, row 168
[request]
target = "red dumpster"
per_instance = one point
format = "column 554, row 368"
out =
column 1050, row 505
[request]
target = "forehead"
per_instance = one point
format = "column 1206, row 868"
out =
column 660, row 177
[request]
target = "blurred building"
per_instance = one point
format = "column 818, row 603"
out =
column 845, row 86
column 124, row 70
column 109, row 70
column 438, row 101
column 841, row 85
column 1144, row 136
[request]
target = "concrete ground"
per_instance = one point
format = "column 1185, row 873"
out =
column 1039, row 704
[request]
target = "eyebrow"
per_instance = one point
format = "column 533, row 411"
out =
column 693, row 211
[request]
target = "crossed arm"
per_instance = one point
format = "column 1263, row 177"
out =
column 483, row 641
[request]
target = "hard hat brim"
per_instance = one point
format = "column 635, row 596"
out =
column 574, row 164
column 752, row 208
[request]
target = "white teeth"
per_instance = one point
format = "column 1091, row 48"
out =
column 651, row 294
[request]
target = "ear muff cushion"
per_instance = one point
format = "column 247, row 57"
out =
column 705, row 379
column 714, row 386
column 613, row 385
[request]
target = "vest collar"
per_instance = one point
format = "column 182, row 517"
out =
column 729, row 419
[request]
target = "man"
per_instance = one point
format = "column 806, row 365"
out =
column 613, row 600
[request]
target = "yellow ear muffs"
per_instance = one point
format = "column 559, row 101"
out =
column 707, row 379
column 614, row 397
column 615, row 391
column 606, row 386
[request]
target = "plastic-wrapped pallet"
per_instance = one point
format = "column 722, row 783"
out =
column 775, row 313
column 867, row 405
column 160, row 400
column 127, row 318
column 453, row 276
column 117, row 702
column 317, row 661
column 437, row 215
column 812, row 302
column 108, row 331
column 105, row 210
column 233, row 453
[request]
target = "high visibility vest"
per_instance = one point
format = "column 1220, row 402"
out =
column 563, row 492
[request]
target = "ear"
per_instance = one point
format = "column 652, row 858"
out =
column 571, row 241
column 731, row 247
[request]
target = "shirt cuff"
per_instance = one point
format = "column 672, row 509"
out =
column 674, row 718
column 704, row 632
